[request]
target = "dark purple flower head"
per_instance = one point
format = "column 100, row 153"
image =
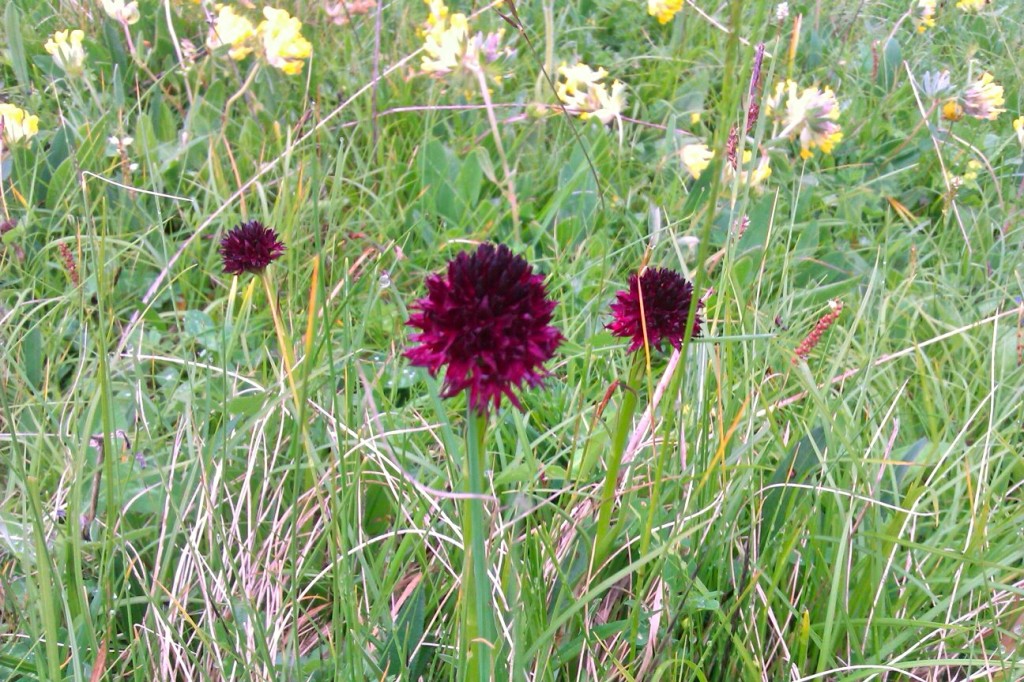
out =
column 249, row 247
column 488, row 320
column 667, row 298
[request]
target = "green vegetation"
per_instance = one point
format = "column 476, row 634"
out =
column 209, row 476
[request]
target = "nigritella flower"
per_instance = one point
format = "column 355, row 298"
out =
column 665, row 298
column 487, row 320
column 249, row 247
column 983, row 98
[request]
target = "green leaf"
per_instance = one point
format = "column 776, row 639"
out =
column 799, row 467
column 62, row 179
column 403, row 652
column 32, row 347
column 16, row 44
column 889, row 64
column 200, row 327
column 469, row 182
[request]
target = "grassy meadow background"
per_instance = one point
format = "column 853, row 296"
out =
column 174, row 507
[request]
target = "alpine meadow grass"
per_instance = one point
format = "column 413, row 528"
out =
column 531, row 340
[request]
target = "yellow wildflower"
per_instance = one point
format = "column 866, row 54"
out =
column 984, row 98
column 610, row 104
column 810, row 115
column 583, row 92
column 925, row 15
column 1018, row 127
column 125, row 12
column 574, row 79
column 748, row 173
column 17, row 123
column 445, row 43
column 952, row 111
column 696, row 158
column 971, row 173
column 448, row 44
column 66, row 49
column 972, row 5
column 969, row 177
column 283, row 44
column 438, row 14
column 664, row 10
column 231, row 29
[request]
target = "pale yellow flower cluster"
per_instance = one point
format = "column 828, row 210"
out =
column 119, row 10
column 278, row 38
column 17, row 124
column 970, row 175
column 664, row 10
column 696, row 158
column 583, row 92
column 444, row 42
column 749, row 173
column 983, row 98
column 811, row 115
column 448, row 44
column 972, row 5
column 925, row 16
column 1018, row 128
column 283, row 44
column 231, row 28
column 66, row 49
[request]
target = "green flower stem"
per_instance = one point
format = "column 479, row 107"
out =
column 510, row 182
column 623, row 426
column 282, row 339
column 478, row 622
column 240, row 92
column 666, row 447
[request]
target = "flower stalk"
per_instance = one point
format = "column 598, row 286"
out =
column 487, row 322
column 658, row 306
column 478, row 617
column 282, row 339
column 623, row 427
column 510, row 182
column 249, row 248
